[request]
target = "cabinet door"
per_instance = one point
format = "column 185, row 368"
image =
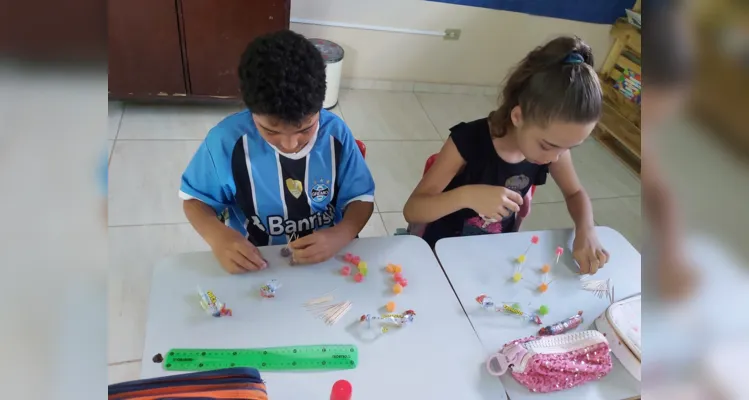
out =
column 216, row 33
column 145, row 57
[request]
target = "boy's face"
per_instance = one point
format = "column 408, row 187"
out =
column 286, row 137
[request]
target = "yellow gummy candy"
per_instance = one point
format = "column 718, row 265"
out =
column 521, row 259
column 516, row 277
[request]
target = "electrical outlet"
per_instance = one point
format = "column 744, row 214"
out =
column 452, row 34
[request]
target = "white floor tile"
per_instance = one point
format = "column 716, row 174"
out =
column 337, row 110
column 547, row 216
column 133, row 251
column 172, row 122
column 397, row 168
column 115, row 114
column 124, row 372
column 394, row 221
column 144, row 181
column 374, row 227
column 603, row 175
column 622, row 214
column 448, row 110
column 383, row 115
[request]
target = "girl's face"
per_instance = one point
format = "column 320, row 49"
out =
column 544, row 144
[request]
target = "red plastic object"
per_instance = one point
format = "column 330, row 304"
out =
column 341, row 390
column 358, row 277
column 362, row 148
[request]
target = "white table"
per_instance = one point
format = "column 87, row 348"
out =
column 484, row 264
column 438, row 356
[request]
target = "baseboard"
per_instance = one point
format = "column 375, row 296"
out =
column 418, row 87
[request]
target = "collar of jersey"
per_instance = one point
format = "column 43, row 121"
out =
column 304, row 151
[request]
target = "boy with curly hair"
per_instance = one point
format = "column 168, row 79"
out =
column 285, row 167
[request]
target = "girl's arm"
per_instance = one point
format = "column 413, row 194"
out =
column 586, row 249
column 578, row 202
column 428, row 202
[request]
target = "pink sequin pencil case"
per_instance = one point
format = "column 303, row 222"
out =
column 548, row 364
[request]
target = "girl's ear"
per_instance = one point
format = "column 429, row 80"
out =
column 516, row 115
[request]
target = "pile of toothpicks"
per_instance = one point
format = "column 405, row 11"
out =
column 322, row 308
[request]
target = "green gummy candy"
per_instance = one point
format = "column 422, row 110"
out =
column 543, row 310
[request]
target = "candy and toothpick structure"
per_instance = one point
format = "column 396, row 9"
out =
column 286, row 251
column 518, row 274
column 521, row 258
column 559, row 253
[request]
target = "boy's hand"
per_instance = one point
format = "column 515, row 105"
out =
column 235, row 253
column 588, row 252
column 320, row 246
column 493, row 202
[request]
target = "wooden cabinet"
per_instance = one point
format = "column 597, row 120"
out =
column 145, row 56
column 173, row 49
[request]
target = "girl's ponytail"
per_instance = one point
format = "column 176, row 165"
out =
column 554, row 81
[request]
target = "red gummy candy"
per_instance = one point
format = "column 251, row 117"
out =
column 358, row 277
column 403, row 282
column 355, row 260
column 346, row 271
column 397, row 276
column 534, row 239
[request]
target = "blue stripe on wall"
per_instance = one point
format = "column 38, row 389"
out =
column 593, row 11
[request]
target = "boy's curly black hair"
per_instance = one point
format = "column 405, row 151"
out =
column 282, row 75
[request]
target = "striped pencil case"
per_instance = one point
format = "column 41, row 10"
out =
column 230, row 383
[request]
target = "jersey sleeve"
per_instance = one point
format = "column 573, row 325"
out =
column 355, row 182
column 201, row 180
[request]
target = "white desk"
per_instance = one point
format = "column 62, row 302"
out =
column 484, row 265
column 437, row 357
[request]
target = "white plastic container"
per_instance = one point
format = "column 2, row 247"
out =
column 332, row 53
column 621, row 323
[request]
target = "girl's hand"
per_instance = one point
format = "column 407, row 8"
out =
column 493, row 202
column 588, row 252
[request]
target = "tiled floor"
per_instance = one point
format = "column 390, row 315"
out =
column 151, row 145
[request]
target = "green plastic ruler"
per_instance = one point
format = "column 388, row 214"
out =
column 290, row 358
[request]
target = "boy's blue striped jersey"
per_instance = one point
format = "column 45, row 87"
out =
column 267, row 195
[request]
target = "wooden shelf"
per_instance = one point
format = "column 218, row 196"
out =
column 619, row 128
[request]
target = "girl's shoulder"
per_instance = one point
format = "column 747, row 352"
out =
column 472, row 138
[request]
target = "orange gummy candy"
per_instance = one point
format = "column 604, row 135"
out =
column 397, row 288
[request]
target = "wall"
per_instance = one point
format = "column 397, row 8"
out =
column 491, row 41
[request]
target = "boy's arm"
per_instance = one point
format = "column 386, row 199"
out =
column 355, row 217
column 204, row 198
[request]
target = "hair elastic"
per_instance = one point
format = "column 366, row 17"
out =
column 574, row 58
